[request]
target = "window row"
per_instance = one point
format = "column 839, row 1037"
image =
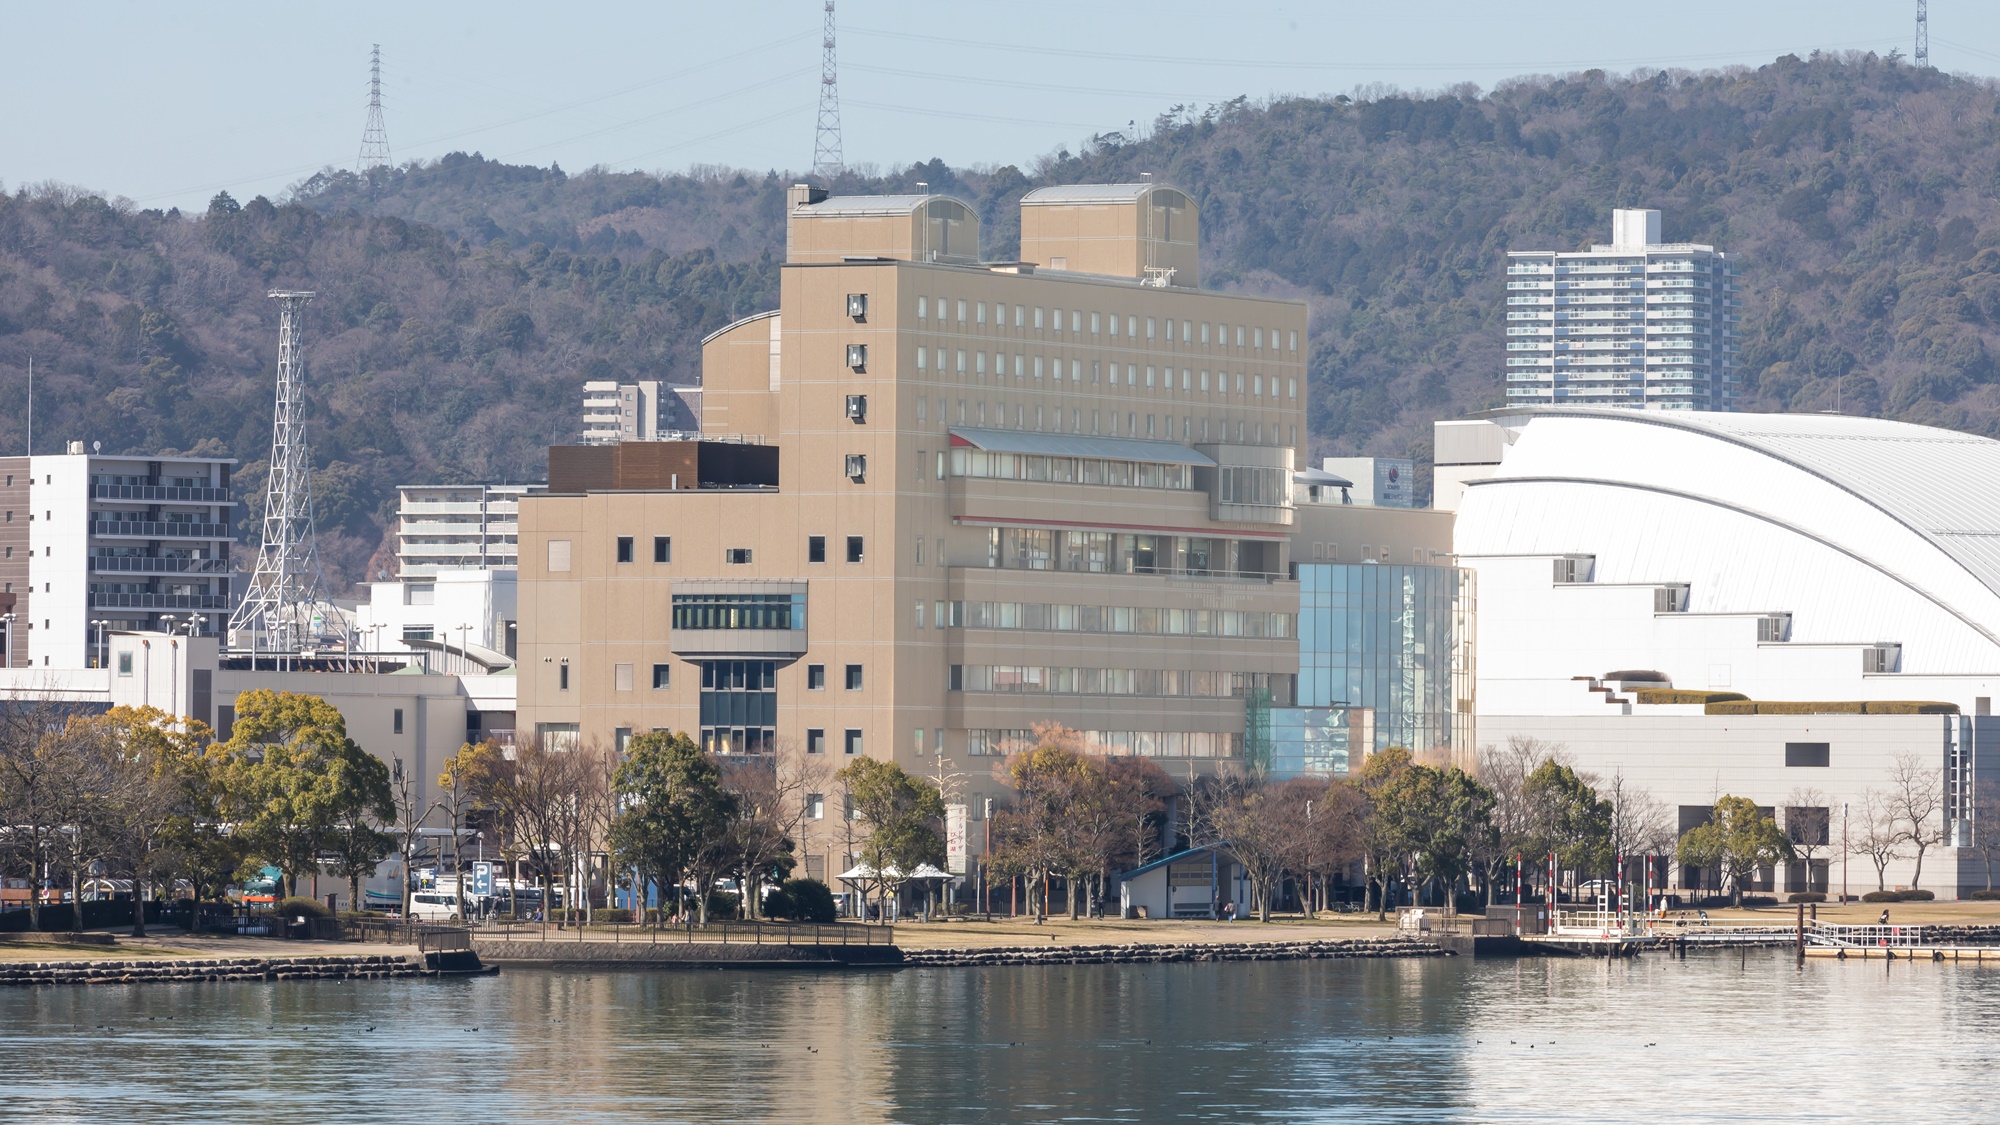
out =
column 1151, row 682
column 1161, row 427
column 1147, row 744
column 1104, row 552
column 739, row 611
column 1113, row 619
column 961, row 362
column 1069, row 470
column 1109, row 325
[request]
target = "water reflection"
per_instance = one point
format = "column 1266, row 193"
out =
column 1724, row 1037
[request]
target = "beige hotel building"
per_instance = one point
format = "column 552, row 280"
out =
column 939, row 500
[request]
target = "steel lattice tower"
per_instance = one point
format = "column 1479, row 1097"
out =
column 1923, row 33
column 374, row 134
column 826, row 144
column 286, row 608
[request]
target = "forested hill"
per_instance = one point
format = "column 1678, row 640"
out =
column 463, row 301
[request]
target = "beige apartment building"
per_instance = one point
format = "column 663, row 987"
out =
column 940, row 500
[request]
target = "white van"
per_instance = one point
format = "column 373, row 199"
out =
column 434, row 906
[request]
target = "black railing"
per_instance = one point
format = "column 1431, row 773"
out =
column 145, row 564
column 150, row 529
column 168, row 492
column 723, row 933
column 160, row 601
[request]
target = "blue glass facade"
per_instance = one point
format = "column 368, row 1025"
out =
column 1384, row 660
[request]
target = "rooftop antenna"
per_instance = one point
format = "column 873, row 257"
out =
column 1923, row 33
column 374, row 134
column 826, row 145
column 286, row 610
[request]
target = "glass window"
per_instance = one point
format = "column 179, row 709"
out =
column 922, row 358
column 1149, row 328
column 1095, row 323
column 853, row 677
column 624, row 548
column 815, row 677
column 663, row 548
column 923, row 307
column 1038, row 318
column 662, row 677
column 815, row 740
column 980, row 313
column 920, row 613
column 855, row 551
column 1204, row 332
column 961, row 312
column 851, row 739
column 1055, row 320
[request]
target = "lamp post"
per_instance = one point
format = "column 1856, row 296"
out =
column 8, row 619
column 103, row 658
column 1843, row 853
column 173, row 667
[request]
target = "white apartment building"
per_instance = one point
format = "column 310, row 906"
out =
column 444, row 527
column 91, row 544
column 1636, row 323
column 648, row 410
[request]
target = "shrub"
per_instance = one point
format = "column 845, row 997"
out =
column 1910, row 707
column 804, row 900
column 612, row 916
column 1807, row 896
column 1676, row 695
column 1919, row 896
column 721, row 906
column 1985, row 896
column 1882, row 896
column 1760, row 900
column 298, row 905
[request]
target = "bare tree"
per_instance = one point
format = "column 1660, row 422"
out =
column 1880, row 837
column 1916, row 799
column 771, row 791
column 411, row 813
column 34, row 790
column 1505, row 770
column 1986, row 824
column 1808, row 825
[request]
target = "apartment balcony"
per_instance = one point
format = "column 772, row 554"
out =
column 425, row 509
column 160, row 601
column 130, row 564
column 150, row 529
column 161, row 492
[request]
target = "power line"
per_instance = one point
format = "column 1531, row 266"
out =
column 827, row 160
column 374, row 134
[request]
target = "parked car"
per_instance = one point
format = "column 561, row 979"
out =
column 435, row 906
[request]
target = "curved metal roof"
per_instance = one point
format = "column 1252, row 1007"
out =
column 1941, row 484
column 878, row 204
column 1093, row 193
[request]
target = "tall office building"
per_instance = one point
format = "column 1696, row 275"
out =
column 1636, row 323
column 92, row 544
column 938, row 501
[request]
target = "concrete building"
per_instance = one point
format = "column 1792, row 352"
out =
column 647, row 410
column 937, row 501
column 1377, row 482
column 1635, row 323
column 453, row 615
column 1639, row 575
column 90, row 544
column 445, row 527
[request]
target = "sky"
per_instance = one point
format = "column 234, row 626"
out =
column 168, row 104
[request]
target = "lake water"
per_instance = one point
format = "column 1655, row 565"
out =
column 1718, row 1037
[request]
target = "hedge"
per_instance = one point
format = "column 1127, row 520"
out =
column 1675, row 695
column 1831, row 707
column 1899, row 896
column 1807, row 896
column 1984, row 896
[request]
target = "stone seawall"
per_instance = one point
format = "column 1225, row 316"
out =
column 210, row 969
column 1137, row 953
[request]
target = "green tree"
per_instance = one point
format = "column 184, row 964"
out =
column 675, row 808
column 1738, row 838
column 155, row 759
column 1566, row 816
column 469, row 776
column 1438, row 820
column 295, row 778
column 903, row 813
column 1380, row 846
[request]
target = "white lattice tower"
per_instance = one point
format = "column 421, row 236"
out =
column 1923, row 33
column 285, row 608
column 374, row 134
column 826, row 142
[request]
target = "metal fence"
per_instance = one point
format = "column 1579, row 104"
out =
column 723, row 933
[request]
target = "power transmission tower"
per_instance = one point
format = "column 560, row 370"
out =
column 286, row 610
column 374, row 134
column 1923, row 33
column 826, row 146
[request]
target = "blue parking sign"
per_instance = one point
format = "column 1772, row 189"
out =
column 482, row 878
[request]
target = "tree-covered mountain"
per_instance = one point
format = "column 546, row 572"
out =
column 463, row 301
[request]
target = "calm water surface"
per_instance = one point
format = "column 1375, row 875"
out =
column 1718, row 1037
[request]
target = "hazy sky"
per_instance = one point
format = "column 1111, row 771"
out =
column 167, row 104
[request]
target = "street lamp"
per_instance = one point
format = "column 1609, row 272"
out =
column 103, row 657
column 8, row 619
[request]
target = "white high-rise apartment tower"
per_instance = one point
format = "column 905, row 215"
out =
column 1636, row 323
